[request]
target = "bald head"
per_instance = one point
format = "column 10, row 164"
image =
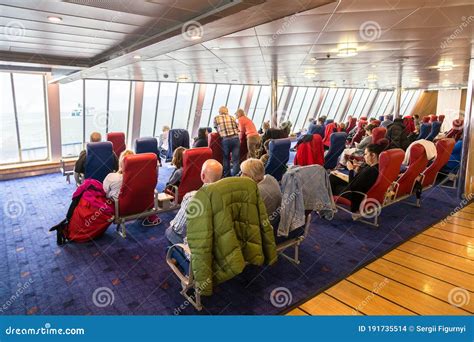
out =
column 95, row 137
column 211, row 171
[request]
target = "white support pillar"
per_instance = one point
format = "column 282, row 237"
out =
column 274, row 102
column 54, row 119
column 137, row 97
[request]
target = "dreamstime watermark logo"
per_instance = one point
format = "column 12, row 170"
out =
column 459, row 297
column 464, row 24
column 370, row 208
column 194, row 209
column 192, row 30
column 281, row 297
column 461, row 205
column 370, row 31
column 101, row 120
column 14, row 208
column 20, row 290
column 98, row 213
column 102, row 297
column 14, row 30
column 377, row 287
column 287, row 21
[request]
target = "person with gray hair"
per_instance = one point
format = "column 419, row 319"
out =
column 80, row 166
column 268, row 187
column 211, row 172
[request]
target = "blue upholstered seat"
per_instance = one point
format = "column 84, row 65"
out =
column 279, row 154
column 100, row 160
column 338, row 143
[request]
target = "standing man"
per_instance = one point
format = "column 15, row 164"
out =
column 248, row 130
column 227, row 128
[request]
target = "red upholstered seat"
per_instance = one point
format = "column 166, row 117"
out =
column 118, row 142
column 215, row 144
column 444, row 147
column 376, row 122
column 426, row 119
column 363, row 118
column 330, row 129
column 317, row 148
column 409, row 123
column 441, row 118
column 359, row 133
column 304, row 154
column 351, row 124
column 192, row 164
column 433, row 118
column 416, row 165
column 140, row 176
column 389, row 166
column 456, row 131
column 378, row 134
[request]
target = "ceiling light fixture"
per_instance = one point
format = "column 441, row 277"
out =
column 445, row 65
column 137, row 57
column 54, row 19
column 182, row 78
column 347, row 52
column 215, row 48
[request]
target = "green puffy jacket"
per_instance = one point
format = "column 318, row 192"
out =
column 227, row 228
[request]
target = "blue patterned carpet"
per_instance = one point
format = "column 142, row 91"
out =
column 38, row 277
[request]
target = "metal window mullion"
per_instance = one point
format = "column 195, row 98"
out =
column 129, row 108
column 228, row 94
column 264, row 114
column 386, row 104
column 107, row 108
column 358, row 102
column 322, row 96
column 83, row 113
column 212, row 105
column 373, row 102
column 299, row 112
column 310, row 105
column 336, row 118
column 256, row 102
column 344, row 111
column 46, row 120
column 156, row 108
column 15, row 112
column 191, row 105
column 379, row 106
column 174, row 105
column 241, row 95
column 332, row 101
column 365, row 102
column 292, row 104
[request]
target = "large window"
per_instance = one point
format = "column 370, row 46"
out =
column 235, row 94
column 72, row 124
column 166, row 103
column 23, row 118
column 119, row 105
column 9, row 152
column 150, row 95
column 183, row 105
column 258, row 113
column 95, row 110
column 207, row 105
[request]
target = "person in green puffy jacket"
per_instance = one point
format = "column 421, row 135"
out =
column 228, row 227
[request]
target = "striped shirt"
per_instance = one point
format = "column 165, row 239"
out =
column 179, row 222
column 226, row 125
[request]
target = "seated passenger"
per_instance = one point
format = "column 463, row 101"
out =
column 386, row 121
column 113, row 182
column 211, row 172
column 201, row 140
column 275, row 133
column 80, row 166
column 163, row 142
column 264, row 158
column 177, row 162
column 397, row 135
column 267, row 185
column 361, row 178
column 358, row 150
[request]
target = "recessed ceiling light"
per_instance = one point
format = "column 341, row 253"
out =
column 182, row 78
column 347, row 52
column 54, row 19
column 103, row 68
column 446, row 83
column 215, row 48
column 313, row 59
column 234, row 80
column 374, row 66
column 137, row 57
column 445, row 65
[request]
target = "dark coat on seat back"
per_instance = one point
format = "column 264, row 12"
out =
column 397, row 135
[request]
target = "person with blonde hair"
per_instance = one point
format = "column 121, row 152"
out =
column 227, row 128
column 249, row 132
column 268, row 186
column 113, row 182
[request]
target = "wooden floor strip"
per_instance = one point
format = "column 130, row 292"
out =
column 445, row 246
column 438, row 256
column 365, row 301
column 460, row 221
column 419, row 281
column 407, row 297
column 434, row 269
column 297, row 312
column 455, row 229
column 464, row 215
column 324, row 304
column 451, row 237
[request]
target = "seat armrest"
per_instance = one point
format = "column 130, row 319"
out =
column 183, row 277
